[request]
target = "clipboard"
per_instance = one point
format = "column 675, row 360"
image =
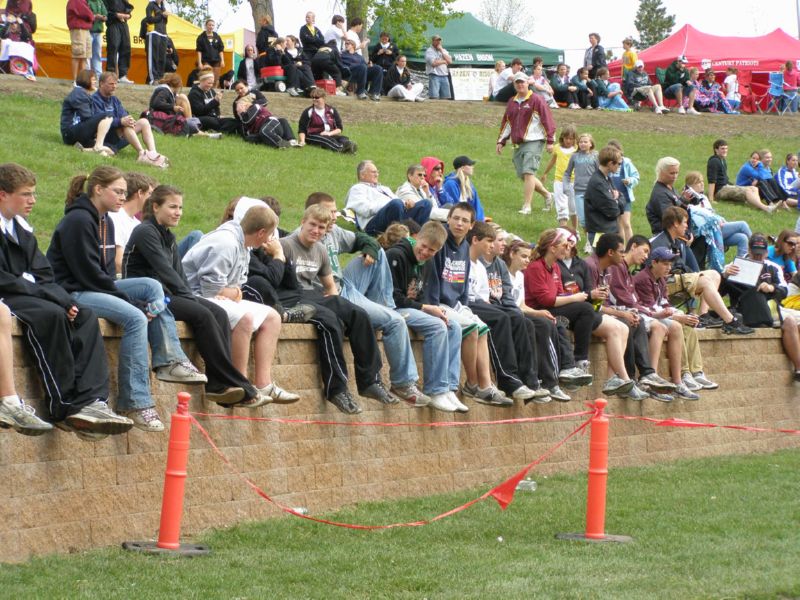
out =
column 749, row 272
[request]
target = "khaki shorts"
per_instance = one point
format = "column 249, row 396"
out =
column 733, row 193
column 686, row 283
column 81, row 42
column 527, row 157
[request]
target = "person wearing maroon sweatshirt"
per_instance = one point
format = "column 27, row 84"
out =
column 543, row 289
column 530, row 127
column 80, row 19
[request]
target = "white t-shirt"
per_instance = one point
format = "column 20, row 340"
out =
column 518, row 288
column 334, row 33
column 732, row 87
column 123, row 226
column 478, row 282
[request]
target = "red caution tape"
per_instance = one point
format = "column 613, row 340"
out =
column 503, row 493
column 673, row 422
column 391, row 424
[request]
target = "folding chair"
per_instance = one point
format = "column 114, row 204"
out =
column 779, row 96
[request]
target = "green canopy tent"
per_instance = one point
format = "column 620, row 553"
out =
column 473, row 43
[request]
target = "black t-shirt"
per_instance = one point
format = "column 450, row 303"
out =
column 717, row 172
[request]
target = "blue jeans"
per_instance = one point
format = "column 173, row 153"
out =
column 374, row 281
column 396, row 343
column 438, row 86
column 580, row 210
column 441, row 350
column 133, row 391
column 395, row 210
column 190, row 240
column 615, row 103
column 97, row 54
column 736, row 233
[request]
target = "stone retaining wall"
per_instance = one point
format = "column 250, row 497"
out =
column 60, row 494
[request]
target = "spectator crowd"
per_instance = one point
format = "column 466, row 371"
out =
column 425, row 257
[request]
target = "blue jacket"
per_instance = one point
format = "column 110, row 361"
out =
column 447, row 275
column 451, row 194
column 110, row 106
column 748, row 172
column 76, row 108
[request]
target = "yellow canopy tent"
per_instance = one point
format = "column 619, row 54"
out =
column 53, row 47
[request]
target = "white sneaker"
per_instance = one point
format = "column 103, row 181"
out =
column 182, row 372
column 587, row 248
column 441, row 402
column 692, row 111
column 681, row 111
column 703, row 381
column 124, row 79
column 690, row 383
column 459, row 406
column 658, row 110
column 146, row 419
column 525, row 210
column 278, row 394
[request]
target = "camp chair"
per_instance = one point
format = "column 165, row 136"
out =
column 778, row 96
column 749, row 101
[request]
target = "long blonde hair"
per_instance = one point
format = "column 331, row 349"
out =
column 465, row 185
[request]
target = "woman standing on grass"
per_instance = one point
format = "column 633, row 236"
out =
column 82, row 255
column 153, row 252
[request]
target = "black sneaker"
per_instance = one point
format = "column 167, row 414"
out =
column 300, row 313
column 378, row 392
column 344, row 402
column 736, row 327
column 709, row 321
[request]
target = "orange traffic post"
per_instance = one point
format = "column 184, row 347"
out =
column 596, row 488
column 169, row 531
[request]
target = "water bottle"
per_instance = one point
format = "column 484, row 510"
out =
column 526, row 485
column 155, row 308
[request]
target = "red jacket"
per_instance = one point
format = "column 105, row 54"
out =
column 542, row 285
column 527, row 121
column 79, row 15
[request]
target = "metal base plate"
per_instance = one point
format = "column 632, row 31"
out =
column 151, row 548
column 581, row 537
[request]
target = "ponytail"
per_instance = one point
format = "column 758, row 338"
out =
column 76, row 188
column 104, row 175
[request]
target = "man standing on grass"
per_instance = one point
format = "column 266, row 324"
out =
column 529, row 125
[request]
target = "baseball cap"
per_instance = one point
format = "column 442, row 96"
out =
column 462, row 161
column 521, row 76
column 682, row 58
column 758, row 244
column 662, row 253
column 638, row 63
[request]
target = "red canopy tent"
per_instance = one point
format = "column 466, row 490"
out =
column 761, row 54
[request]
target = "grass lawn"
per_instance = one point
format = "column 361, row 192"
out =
column 394, row 135
column 714, row 528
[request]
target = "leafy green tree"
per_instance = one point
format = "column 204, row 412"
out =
column 653, row 23
column 197, row 11
column 405, row 20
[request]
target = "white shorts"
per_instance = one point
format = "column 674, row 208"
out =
column 236, row 310
column 468, row 320
column 564, row 199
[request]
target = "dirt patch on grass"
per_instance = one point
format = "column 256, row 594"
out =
column 135, row 98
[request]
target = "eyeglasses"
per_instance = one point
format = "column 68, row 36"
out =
column 119, row 191
column 792, row 244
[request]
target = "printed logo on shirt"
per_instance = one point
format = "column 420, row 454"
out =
column 454, row 271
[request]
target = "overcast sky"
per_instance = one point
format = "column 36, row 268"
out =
column 569, row 29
